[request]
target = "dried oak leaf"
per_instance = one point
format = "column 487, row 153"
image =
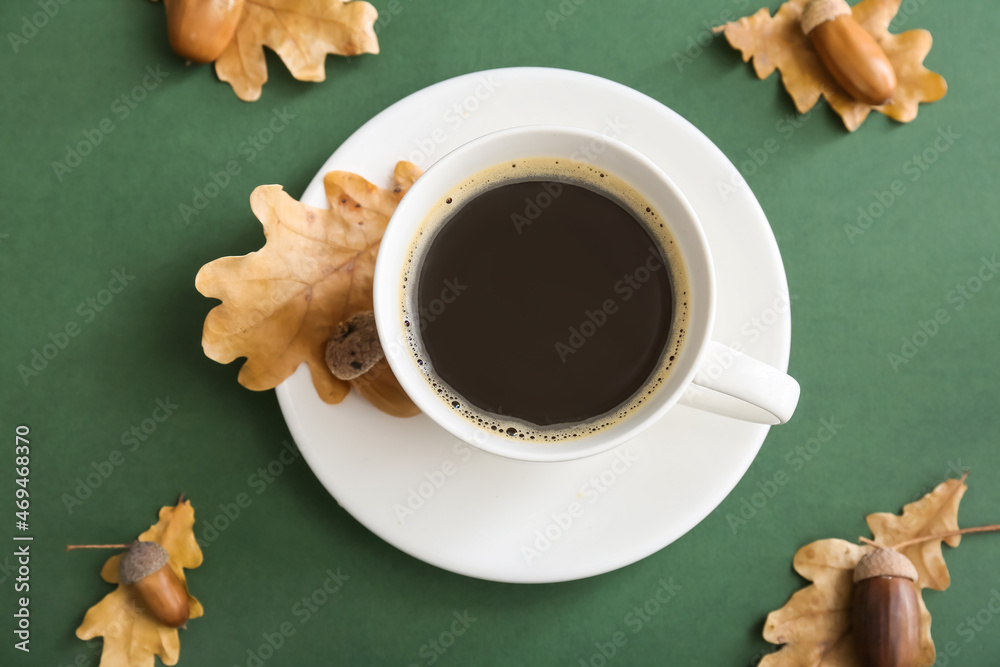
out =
column 814, row 626
column 301, row 32
column 777, row 42
column 935, row 513
column 281, row 304
column 132, row 637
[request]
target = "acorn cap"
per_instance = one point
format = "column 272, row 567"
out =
column 354, row 347
column 821, row 11
column 141, row 560
column 884, row 562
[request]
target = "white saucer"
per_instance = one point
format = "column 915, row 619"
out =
column 470, row 512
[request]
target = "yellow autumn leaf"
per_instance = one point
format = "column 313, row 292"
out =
column 935, row 513
column 301, row 32
column 777, row 42
column 814, row 626
column 281, row 304
column 132, row 637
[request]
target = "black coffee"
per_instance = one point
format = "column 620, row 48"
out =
column 544, row 302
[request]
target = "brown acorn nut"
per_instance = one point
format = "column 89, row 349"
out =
column 145, row 567
column 199, row 30
column 355, row 354
column 885, row 610
column 851, row 55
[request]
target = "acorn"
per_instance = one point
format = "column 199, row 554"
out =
column 886, row 610
column 200, row 30
column 145, row 567
column 354, row 354
column 849, row 52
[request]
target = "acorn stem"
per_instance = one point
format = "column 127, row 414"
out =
column 71, row 547
column 939, row 536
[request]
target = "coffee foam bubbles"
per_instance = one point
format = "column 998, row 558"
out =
column 555, row 171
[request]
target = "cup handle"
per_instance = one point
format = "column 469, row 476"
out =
column 733, row 384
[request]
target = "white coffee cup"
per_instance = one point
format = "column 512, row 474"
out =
column 706, row 373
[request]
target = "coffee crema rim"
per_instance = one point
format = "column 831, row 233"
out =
column 544, row 169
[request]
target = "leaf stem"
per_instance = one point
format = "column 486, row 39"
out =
column 926, row 538
column 71, row 547
column 950, row 533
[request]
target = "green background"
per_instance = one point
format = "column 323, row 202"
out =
column 904, row 429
